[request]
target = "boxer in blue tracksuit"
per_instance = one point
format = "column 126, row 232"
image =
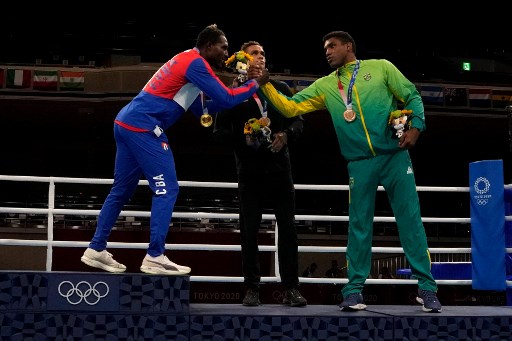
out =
column 186, row 82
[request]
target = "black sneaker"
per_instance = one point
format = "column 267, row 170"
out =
column 353, row 302
column 429, row 301
column 252, row 298
column 293, row 298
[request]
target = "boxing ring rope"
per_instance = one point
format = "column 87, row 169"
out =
column 51, row 211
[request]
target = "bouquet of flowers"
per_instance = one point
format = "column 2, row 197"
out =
column 398, row 120
column 257, row 131
column 239, row 62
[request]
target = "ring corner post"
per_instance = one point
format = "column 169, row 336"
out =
column 487, row 209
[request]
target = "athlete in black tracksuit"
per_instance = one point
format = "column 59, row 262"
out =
column 264, row 180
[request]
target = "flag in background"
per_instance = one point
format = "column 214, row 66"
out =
column 72, row 80
column 501, row 98
column 1, row 78
column 302, row 84
column 45, row 80
column 289, row 82
column 432, row 94
column 480, row 98
column 455, row 97
column 18, row 79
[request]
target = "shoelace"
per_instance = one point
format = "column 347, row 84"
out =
column 353, row 297
column 111, row 258
column 429, row 296
column 167, row 260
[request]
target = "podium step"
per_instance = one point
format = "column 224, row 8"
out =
column 129, row 306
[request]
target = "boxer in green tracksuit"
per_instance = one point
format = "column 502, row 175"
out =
column 360, row 96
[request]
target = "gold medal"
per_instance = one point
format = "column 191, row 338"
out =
column 349, row 115
column 264, row 121
column 206, row 120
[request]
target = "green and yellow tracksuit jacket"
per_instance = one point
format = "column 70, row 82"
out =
column 378, row 90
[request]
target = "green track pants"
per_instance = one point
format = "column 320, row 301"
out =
column 395, row 173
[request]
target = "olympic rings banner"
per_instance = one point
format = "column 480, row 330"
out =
column 81, row 292
column 487, row 206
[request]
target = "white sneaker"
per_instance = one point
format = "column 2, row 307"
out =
column 162, row 265
column 102, row 260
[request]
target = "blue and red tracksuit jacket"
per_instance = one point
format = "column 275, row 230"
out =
column 175, row 88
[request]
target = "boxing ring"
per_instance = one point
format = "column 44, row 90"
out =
column 153, row 307
column 51, row 243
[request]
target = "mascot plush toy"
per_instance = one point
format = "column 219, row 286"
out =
column 239, row 62
column 398, row 120
column 256, row 131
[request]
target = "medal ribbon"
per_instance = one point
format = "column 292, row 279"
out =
column 206, row 120
column 203, row 103
column 348, row 99
column 261, row 104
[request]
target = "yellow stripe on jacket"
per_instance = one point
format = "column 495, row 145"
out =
column 291, row 106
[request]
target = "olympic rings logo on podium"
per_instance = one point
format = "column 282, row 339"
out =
column 82, row 291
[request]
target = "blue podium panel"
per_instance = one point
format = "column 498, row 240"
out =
column 83, row 292
column 155, row 307
column 93, row 306
column 431, row 327
column 277, row 322
column 101, row 292
column 93, row 327
column 155, row 293
column 23, row 290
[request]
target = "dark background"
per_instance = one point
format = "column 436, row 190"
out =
column 422, row 41
column 73, row 136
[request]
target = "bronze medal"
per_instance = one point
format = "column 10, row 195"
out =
column 264, row 121
column 349, row 115
column 206, row 120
